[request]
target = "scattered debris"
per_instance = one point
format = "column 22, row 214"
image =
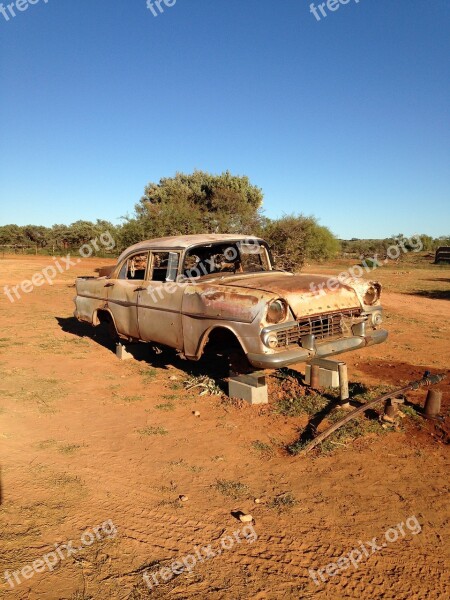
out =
column 203, row 381
column 387, row 419
column 196, row 413
column 245, row 518
column 184, row 498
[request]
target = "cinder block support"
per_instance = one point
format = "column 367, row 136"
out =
column 122, row 353
column 250, row 387
column 331, row 374
column 328, row 373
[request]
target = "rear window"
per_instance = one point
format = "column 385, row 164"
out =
column 134, row 268
column 164, row 266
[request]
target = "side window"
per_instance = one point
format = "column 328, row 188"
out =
column 134, row 268
column 165, row 266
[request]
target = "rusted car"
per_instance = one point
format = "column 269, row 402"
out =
column 184, row 291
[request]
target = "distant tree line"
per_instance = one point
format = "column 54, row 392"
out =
column 203, row 203
column 369, row 248
column 57, row 239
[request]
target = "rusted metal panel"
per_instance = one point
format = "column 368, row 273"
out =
column 222, row 302
column 303, row 292
column 91, row 296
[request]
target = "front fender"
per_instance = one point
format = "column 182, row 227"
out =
column 206, row 307
column 217, row 302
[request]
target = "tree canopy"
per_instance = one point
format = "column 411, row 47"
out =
column 295, row 239
column 199, row 202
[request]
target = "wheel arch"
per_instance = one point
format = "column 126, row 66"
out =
column 103, row 315
column 215, row 333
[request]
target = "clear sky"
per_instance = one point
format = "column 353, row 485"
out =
column 346, row 118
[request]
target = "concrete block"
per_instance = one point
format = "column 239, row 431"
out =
column 327, row 377
column 255, row 378
column 122, row 353
column 250, row 393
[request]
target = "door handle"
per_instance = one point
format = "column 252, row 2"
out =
column 139, row 289
column 108, row 285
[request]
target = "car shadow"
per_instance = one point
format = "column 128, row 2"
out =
column 444, row 279
column 433, row 294
column 213, row 365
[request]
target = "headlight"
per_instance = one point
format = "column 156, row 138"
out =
column 271, row 340
column 377, row 318
column 276, row 311
column 372, row 295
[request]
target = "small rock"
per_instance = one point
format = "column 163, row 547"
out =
column 257, row 500
column 173, row 378
column 195, row 413
column 245, row 518
column 184, row 498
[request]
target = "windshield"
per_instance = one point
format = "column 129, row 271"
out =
column 223, row 258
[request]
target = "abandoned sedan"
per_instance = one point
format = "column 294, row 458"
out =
column 184, row 291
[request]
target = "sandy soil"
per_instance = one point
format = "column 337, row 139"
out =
column 86, row 438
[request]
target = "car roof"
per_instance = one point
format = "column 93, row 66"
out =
column 181, row 242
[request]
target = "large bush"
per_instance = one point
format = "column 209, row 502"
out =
column 198, row 203
column 295, row 239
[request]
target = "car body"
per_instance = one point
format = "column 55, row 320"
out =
column 179, row 291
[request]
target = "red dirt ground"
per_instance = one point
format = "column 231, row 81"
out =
column 77, row 450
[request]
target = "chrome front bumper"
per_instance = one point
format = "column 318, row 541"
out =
column 316, row 350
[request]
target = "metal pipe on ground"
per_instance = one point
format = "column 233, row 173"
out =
column 427, row 380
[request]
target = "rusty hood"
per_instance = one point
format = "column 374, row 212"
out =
column 302, row 292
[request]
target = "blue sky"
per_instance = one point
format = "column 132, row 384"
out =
column 346, row 118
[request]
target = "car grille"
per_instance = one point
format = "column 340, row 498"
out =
column 321, row 327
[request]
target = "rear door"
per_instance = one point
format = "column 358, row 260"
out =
column 159, row 310
column 123, row 293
